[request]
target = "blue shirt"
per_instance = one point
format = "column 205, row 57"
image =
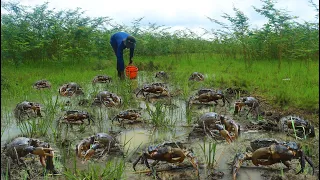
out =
column 117, row 41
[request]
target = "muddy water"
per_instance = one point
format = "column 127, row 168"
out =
column 224, row 153
column 135, row 137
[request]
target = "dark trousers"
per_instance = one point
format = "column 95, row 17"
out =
column 120, row 64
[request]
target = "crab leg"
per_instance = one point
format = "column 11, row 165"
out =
column 42, row 161
column 237, row 162
column 104, row 151
column 310, row 163
column 136, row 162
column 224, row 102
column 193, row 161
column 303, row 157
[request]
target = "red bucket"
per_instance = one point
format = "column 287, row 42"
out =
column 131, row 71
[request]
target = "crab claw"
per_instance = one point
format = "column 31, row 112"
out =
column 224, row 133
column 41, row 151
column 236, row 164
column 84, row 145
column 90, row 152
column 238, row 106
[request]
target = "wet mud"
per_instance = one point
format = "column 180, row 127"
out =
column 135, row 137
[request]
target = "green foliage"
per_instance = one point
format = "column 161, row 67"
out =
column 281, row 37
column 39, row 33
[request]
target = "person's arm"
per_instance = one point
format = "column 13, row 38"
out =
column 131, row 55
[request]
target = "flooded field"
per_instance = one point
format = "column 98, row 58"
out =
column 177, row 121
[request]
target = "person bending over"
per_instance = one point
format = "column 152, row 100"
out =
column 120, row 41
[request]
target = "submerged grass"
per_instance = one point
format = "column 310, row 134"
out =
column 209, row 152
column 35, row 127
column 158, row 115
column 112, row 170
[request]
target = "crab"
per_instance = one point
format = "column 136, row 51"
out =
column 233, row 91
column 101, row 79
column 29, row 109
column 70, row 89
column 161, row 75
column 251, row 102
column 168, row 152
column 271, row 151
column 107, row 98
column 204, row 91
column 131, row 115
column 195, row 76
column 302, row 127
column 231, row 126
column 41, row 84
column 213, row 120
column 87, row 147
column 74, row 116
column 155, row 88
column 208, row 95
column 22, row 146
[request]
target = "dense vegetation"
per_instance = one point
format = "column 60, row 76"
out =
column 38, row 33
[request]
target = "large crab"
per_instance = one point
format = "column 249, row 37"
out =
column 107, row 98
column 302, row 127
column 130, row 115
column 27, row 109
column 41, row 84
column 195, row 76
column 155, row 88
column 101, row 79
column 271, row 151
column 161, row 75
column 169, row 152
column 212, row 120
column 76, row 117
column 69, row 89
column 87, row 147
column 22, row 146
column 208, row 95
column 250, row 102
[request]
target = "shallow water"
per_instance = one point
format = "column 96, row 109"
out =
column 134, row 138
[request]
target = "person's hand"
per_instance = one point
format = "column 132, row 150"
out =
column 130, row 62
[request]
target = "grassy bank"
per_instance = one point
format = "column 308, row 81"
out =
column 295, row 84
